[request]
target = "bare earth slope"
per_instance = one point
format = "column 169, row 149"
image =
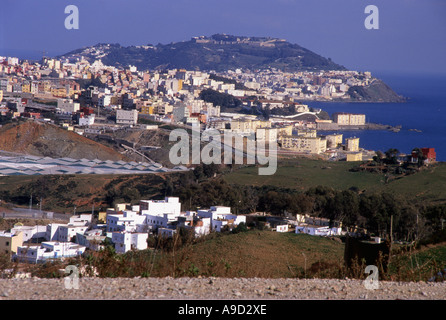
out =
column 47, row 140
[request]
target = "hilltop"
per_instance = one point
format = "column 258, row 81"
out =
column 221, row 52
column 48, row 140
column 218, row 52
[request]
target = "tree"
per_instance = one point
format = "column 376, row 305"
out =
column 420, row 156
column 391, row 155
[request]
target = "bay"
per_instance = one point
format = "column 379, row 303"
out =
column 425, row 110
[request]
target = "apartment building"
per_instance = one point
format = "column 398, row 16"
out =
column 129, row 117
column 334, row 140
column 68, row 105
column 269, row 135
column 314, row 145
column 349, row 119
column 352, row 144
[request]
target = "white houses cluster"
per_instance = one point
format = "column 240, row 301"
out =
column 128, row 227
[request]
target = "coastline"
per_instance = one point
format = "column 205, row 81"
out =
column 367, row 126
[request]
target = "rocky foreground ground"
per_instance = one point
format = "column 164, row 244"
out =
column 214, row 288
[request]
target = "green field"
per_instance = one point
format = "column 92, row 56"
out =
column 255, row 253
column 301, row 174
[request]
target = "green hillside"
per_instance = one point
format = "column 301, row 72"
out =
column 302, row 174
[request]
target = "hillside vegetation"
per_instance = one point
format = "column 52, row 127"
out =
column 211, row 56
column 302, row 174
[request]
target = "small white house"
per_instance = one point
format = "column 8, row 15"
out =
column 125, row 241
column 129, row 221
column 282, row 228
column 91, row 239
column 52, row 231
column 318, row 230
column 82, row 219
column 170, row 205
column 49, row 250
column 202, row 227
column 30, row 232
column 67, row 233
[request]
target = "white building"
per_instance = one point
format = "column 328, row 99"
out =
column 91, row 239
column 104, row 101
column 282, row 228
column 221, row 216
column 49, row 250
column 67, row 105
column 155, row 222
column 318, row 230
column 87, row 121
column 125, row 241
column 67, row 232
column 128, row 221
column 170, row 205
column 52, row 231
column 30, row 232
column 126, row 116
column 269, row 135
column 13, row 61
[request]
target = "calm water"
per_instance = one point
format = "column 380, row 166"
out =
column 425, row 110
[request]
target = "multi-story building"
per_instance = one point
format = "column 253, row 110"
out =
column 68, row 105
column 352, row 144
column 349, row 119
column 126, row 116
column 128, row 221
column 180, row 113
column 315, row 145
column 104, row 101
column 9, row 242
column 266, row 135
column 334, row 140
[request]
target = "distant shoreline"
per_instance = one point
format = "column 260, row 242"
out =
column 367, row 126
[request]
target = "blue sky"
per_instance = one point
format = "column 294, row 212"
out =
column 411, row 37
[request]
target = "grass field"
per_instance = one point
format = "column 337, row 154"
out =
column 301, row 174
column 252, row 254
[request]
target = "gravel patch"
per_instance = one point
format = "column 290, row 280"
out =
column 216, row 289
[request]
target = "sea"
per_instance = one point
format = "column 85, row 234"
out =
column 425, row 111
